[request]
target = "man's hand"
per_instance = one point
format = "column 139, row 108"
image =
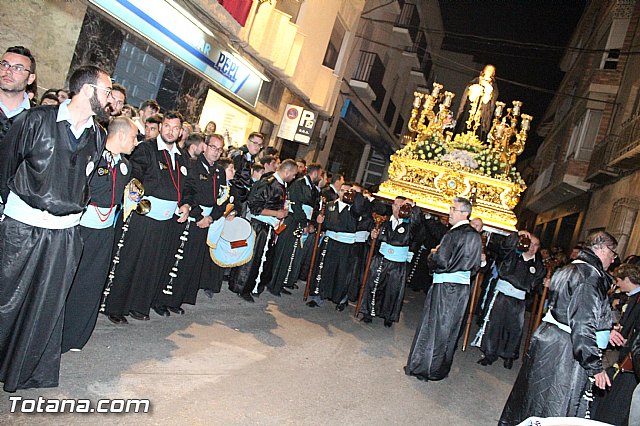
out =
column 231, row 216
column 375, row 233
column 183, row 213
column 616, row 339
column 602, row 380
column 205, row 222
column 320, row 218
column 281, row 214
column 546, row 282
column 528, row 235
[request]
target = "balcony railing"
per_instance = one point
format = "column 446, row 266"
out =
column 370, row 70
column 599, row 171
column 626, row 153
column 409, row 20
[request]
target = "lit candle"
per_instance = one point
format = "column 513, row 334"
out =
column 417, row 100
column 448, row 96
column 516, row 108
column 436, row 90
column 499, row 130
column 499, row 106
column 526, row 122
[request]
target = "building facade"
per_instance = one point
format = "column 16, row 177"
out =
column 579, row 184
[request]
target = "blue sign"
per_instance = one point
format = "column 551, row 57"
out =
column 177, row 33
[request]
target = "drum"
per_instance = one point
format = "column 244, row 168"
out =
column 231, row 242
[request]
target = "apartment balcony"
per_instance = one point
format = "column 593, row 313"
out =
column 626, row 152
column 599, row 171
column 557, row 184
column 367, row 77
column 417, row 50
column 407, row 24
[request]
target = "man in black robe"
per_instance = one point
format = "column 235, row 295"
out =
column 206, row 185
column 17, row 71
column 303, row 199
column 46, row 162
column 97, row 231
column 332, row 191
column 453, row 262
column 384, row 290
column 243, row 159
column 564, row 360
column 266, row 203
column 151, row 239
column 334, row 272
column 519, row 273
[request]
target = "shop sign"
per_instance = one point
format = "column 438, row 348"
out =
column 173, row 29
column 297, row 124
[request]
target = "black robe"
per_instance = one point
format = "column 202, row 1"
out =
column 384, row 290
column 83, row 301
column 335, row 260
column 287, row 252
column 502, row 327
column 49, row 169
column 437, row 335
column 267, row 194
column 555, row 372
column 242, row 182
column 150, row 244
column 203, row 187
column 429, row 236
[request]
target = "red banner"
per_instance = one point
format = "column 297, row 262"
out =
column 239, row 9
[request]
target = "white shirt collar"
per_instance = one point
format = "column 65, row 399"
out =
column 634, row 291
column 395, row 222
column 64, row 115
column 462, row 222
column 108, row 156
column 163, row 146
column 341, row 205
column 25, row 104
column 279, row 179
column 334, row 188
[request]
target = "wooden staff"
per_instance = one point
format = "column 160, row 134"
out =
column 472, row 308
column 379, row 220
column 315, row 252
column 532, row 320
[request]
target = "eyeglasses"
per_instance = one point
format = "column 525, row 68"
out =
column 615, row 255
column 106, row 90
column 255, row 143
column 215, row 148
column 17, row 68
column 453, row 209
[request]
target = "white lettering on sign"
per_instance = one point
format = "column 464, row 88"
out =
column 226, row 66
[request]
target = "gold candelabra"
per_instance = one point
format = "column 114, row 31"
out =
column 504, row 136
column 437, row 121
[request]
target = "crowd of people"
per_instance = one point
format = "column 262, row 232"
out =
column 123, row 211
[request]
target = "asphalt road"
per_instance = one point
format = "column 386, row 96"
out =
column 275, row 362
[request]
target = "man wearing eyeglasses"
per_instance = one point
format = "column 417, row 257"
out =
column 564, row 360
column 119, row 94
column 243, row 159
column 453, row 262
column 47, row 160
column 17, row 71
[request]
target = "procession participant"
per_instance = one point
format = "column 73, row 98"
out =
column 119, row 93
column 303, row 199
column 520, row 271
column 267, row 205
column 159, row 166
column 564, row 358
column 429, row 236
column 453, row 262
column 195, row 145
column 243, row 158
column 147, row 109
column 212, row 275
column 46, row 161
column 335, row 261
column 332, row 192
column 384, row 289
column 17, row 71
column 360, row 247
column 612, row 406
column 97, row 232
column 270, row 164
column 152, row 126
column 204, row 185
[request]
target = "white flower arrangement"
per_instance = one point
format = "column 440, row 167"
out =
column 464, row 158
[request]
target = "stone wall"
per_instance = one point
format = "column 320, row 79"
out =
column 50, row 28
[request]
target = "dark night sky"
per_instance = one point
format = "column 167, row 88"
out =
column 547, row 22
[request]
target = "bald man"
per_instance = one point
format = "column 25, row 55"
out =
column 520, row 270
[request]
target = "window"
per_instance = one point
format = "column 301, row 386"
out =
column 380, row 94
column 335, row 44
column 271, row 92
column 399, row 126
column 615, row 40
column 290, row 7
column 583, row 136
column 388, row 115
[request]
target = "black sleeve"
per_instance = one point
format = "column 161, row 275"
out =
column 13, row 149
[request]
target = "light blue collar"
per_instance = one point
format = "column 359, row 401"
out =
column 23, row 105
column 64, row 115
